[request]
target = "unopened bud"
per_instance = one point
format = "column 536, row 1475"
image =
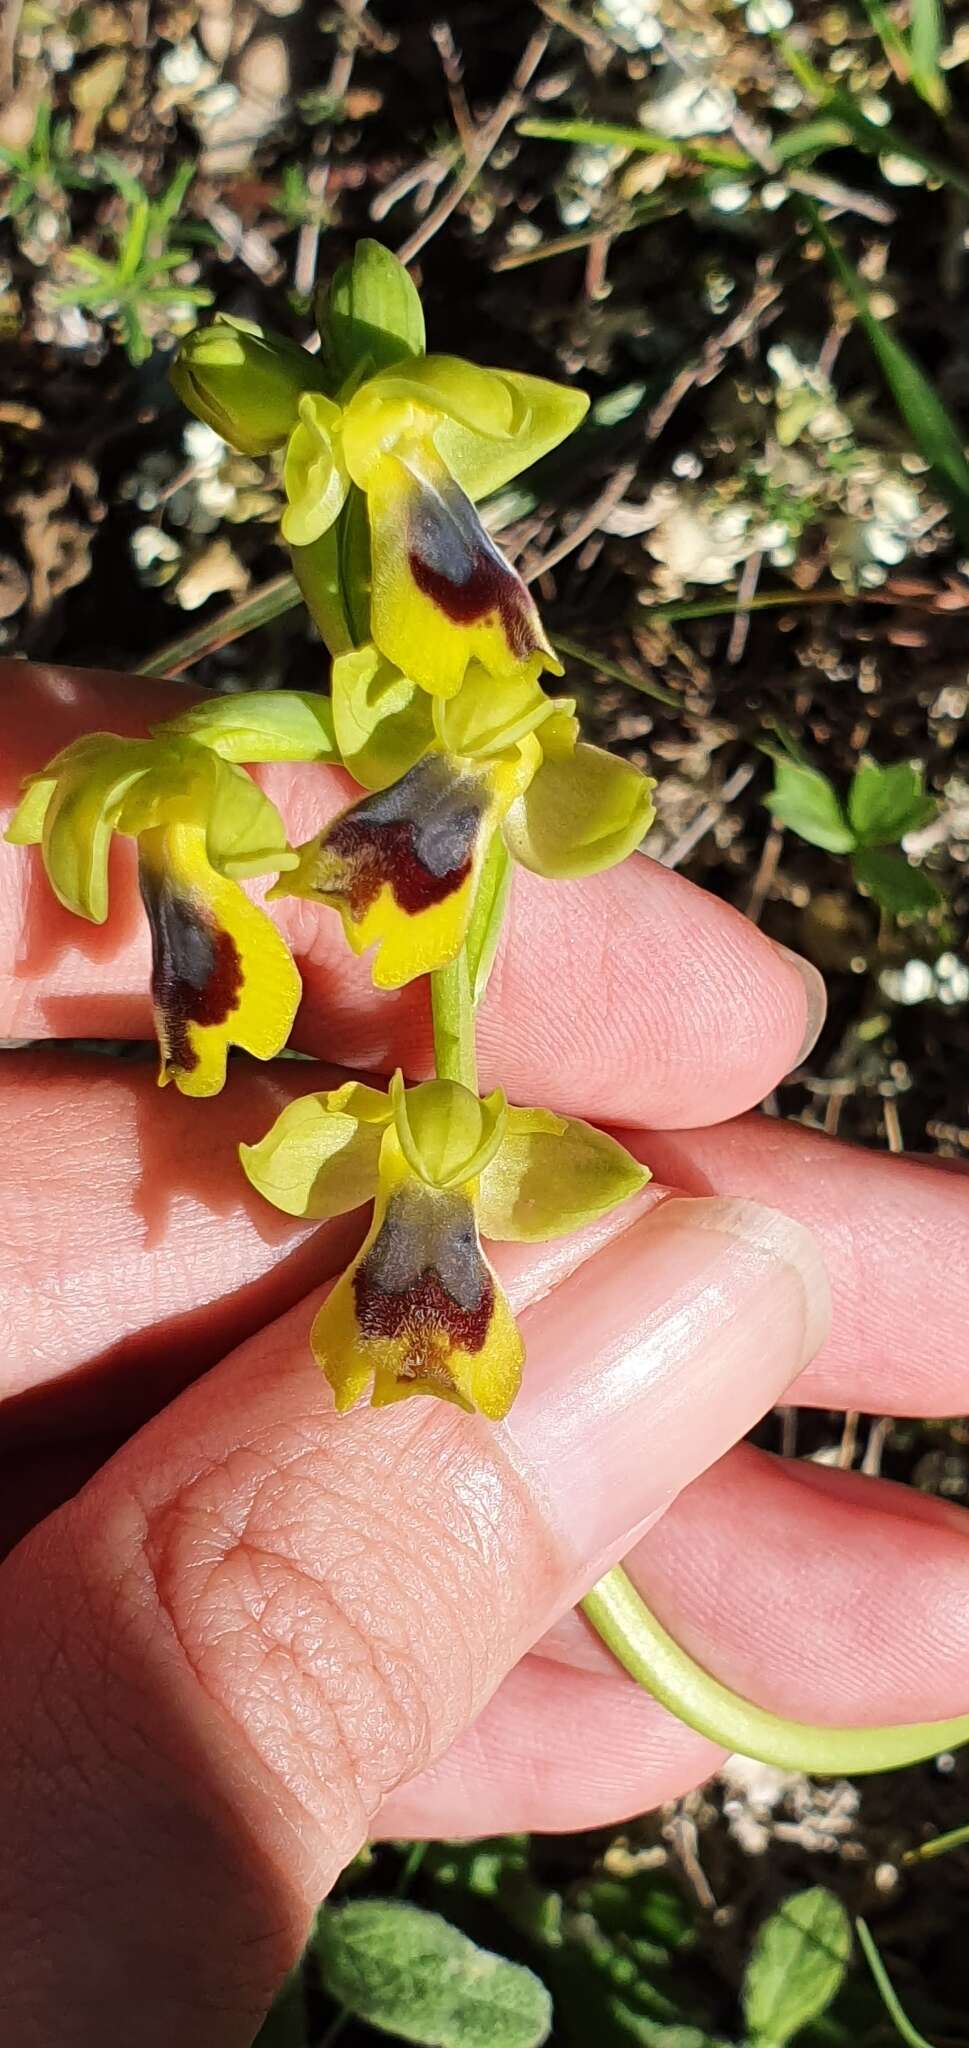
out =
column 243, row 383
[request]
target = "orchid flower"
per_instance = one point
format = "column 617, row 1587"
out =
column 403, row 865
column 221, row 974
column 420, row 1310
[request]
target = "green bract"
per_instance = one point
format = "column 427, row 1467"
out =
column 371, row 315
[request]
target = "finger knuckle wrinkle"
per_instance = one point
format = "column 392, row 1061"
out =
column 295, row 1608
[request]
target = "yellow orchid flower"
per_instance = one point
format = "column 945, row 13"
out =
column 402, row 865
column 420, row 1310
column 419, row 440
column 221, row 975
column 423, row 440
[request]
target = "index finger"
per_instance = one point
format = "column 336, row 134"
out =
column 631, row 995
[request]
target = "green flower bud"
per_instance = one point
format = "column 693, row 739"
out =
column 243, row 383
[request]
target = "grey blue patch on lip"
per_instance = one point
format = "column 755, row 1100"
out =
column 444, row 530
column 455, row 563
column 442, row 808
column 425, row 1279
column 418, row 837
column 425, row 1231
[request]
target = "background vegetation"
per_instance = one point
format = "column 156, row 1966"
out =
column 743, row 228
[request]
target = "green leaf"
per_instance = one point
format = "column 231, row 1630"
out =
column 372, row 315
column 805, row 800
column 613, row 135
column 885, row 803
column 797, row 1964
column 410, row 1973
column 934, row 432
column 899, row 888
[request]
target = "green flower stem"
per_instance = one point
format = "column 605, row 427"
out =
column 650, row 1656
column 623, row 1620
column 452, row 1015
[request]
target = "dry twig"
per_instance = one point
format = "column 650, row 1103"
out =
column 488, row 135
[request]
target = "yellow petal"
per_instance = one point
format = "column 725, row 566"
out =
column 381, row 720
column 221, row 974
column 443, row 595
column 489, row 714
column 488, row 425
column 420, row 1310
column 313, row 473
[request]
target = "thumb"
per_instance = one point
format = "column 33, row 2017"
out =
column 259, row 1619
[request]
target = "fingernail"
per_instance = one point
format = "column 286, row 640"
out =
column 815, row 997
column 655, row 1356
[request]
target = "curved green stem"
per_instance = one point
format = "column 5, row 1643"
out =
column 623, row 1620
column 651, row 1656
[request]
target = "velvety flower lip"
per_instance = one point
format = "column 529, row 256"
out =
column 425, row 1284
column 197, row 973
column 416, row 838
column 443, row 594
column 401, row 865
column 455, row 563
column 221, row 975
column 420, row 1311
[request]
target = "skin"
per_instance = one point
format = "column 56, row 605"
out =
column 238, row 1634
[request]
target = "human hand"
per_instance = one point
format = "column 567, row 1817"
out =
column 259, row 1633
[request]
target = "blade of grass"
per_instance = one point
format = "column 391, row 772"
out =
column 932, row 429
column 895, row 2010
column 892, row 40
column 576, row 652
column 875, row 140
column 926, row 38
column 726, row 155
column 269, row 602
column 957, row 1838
column 762, row 601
